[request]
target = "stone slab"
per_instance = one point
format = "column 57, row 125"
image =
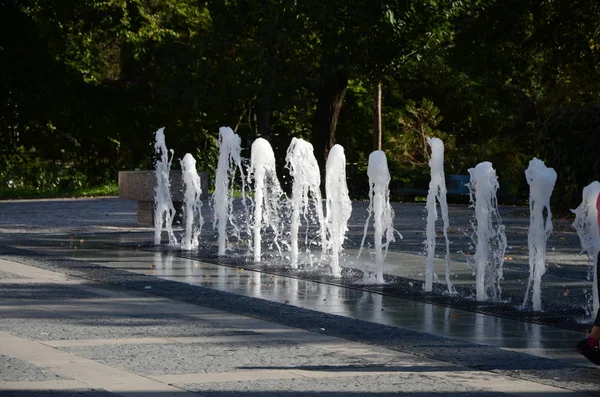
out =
column 10, row 276
column 90, row 372
column 13, row 369
column 140, row 185
column 49, row 389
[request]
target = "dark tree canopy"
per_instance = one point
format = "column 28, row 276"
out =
column 84, row 84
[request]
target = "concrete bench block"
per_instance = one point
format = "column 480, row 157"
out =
column 458, row 185
column 140, row 185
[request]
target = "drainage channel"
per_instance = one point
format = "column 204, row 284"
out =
column 554, row 315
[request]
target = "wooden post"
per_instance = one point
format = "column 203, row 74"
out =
column 377, row 132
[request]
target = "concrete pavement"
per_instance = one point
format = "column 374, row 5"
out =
column 92, row 339
column 79, row 316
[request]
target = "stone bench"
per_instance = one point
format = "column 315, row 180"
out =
column 456, row 187
column 140, row 185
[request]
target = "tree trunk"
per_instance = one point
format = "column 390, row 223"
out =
column 265, row 110
column 377, row 133
column 264, row 117
column 332, row 89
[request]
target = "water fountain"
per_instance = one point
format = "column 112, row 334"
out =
column 230, row 161
column 164, row 212
column 587, row 223
column 304, row 169
column 191, row 200
column 267, row 194
column 489, row 236
column 270, row 207
column 437, row 191
column 541, row 180
column 381, row 210
column 337, row 204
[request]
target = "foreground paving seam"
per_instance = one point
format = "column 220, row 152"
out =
column 104, row 342
column 491, row 382
column 168, row 340
column 485, row 380
column 91, row 373
column 480, row 381
column 219, row 377
column 58, row 384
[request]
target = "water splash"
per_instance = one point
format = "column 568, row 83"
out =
column 267, row 194
column 437, row 191
column 541, row 180
column 587, row 224
column 230, row 161
column 192, row 203
column 164, row 212
column 304, row 169
column 489, row 236
column 380, row 209
column 338, row 205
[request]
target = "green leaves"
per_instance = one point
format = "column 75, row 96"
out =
column 92, row 80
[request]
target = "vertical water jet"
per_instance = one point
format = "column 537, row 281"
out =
column 587, row 224
column 489, row 236
column 164, row 212
column 267, row 194
column 191, row 203
column 304, row 169
column 337, row 204
column 437, row 191
column 541, row 180
column 230, row 161
column 381, row 211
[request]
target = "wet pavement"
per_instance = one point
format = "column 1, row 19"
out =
column 98, row 240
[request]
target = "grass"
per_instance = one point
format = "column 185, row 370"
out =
column 94, row 191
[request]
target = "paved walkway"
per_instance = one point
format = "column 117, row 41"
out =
column 81, row 317
column 72, row 336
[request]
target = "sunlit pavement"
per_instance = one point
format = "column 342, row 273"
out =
column 174, row 324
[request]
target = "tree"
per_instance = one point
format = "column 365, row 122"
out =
column 418, row 123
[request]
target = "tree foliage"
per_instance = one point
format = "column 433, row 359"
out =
column 84, row 84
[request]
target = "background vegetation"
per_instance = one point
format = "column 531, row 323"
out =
column 84, row 84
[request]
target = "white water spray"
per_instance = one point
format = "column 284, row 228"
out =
column 587, row 223
column 541, row 180
column 164, row 212
column 191, row 203
column 489, row 236
column 338, row 205
column 304, row 169
column 437, row 191
column 380, row 209
column 230, row 161
column 267, row 193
